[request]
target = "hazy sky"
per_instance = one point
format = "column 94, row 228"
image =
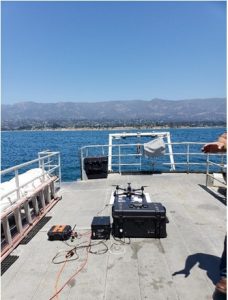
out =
column 101, row 51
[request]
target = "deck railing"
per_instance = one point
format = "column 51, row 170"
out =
column 218, row 177
column 188, row 158
column 27, row 208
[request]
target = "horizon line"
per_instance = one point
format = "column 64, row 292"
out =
column 107, row 101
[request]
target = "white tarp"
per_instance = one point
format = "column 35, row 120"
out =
column 155, row 147
column 36, row 175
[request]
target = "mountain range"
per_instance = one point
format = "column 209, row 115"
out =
column 210, row 109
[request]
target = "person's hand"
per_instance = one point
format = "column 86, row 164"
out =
column 214, row 147
column 223, row 138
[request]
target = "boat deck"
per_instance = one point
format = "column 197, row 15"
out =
column 183, row 266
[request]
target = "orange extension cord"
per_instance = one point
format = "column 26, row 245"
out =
column 56, row 295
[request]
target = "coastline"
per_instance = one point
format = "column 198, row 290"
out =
column 114, row 128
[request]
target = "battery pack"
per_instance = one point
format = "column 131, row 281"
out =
column 101, row 228
column 59, row 233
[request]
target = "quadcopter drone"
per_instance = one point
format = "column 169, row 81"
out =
column 129, row 191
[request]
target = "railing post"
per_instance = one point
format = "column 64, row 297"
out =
column 43, row 170
column 17, row 184
column 207, row 171
column 59, row 165
column 82, row 166
column 188, row 158
column 110, row 153
column 140, row 161
column 49, row 162
column 170, row 152
column 119, row 159
column 39, row 156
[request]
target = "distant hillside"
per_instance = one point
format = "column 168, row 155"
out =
column 213, row 109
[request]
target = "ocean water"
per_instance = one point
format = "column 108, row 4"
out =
column 22, row 146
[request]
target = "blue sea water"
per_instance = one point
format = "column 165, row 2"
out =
column 21, row 146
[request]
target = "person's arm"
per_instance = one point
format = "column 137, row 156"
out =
column 219, row 146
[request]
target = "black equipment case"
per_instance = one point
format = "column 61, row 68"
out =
column 96, row 167
column 139, row 220
column 101, row 228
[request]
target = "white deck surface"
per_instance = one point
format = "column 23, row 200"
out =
column 143, row 269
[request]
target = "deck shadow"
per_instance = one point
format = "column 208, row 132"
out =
column 209, row 263
column 10, row 259
column 35, row 230
column 7, row 263
column 221, row 198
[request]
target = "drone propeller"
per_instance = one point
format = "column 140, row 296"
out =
column 118, row 187
column 141, row 189
column 143, row 186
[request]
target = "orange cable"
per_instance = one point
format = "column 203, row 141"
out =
column 82, row 266
column 57, row 279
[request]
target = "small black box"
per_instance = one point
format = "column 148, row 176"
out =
column 101, row 228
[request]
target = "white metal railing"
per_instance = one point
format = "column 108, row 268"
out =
column 151, row 134
column 43, row 162
column 51, row 166
column 211, row 178
column 27, row 208
column 184, row 157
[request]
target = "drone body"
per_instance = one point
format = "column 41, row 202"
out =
column 129, row 193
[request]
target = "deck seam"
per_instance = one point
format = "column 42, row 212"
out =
column 166, row 261
column 139, row 279
column 106, row 275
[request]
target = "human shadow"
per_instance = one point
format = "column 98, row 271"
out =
column 207, row 262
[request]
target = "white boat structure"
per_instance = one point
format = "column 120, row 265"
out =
column 184, row 265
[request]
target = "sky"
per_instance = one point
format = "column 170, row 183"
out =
column 105, row 51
